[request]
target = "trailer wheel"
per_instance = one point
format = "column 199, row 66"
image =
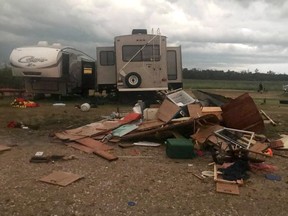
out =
column 133, row 80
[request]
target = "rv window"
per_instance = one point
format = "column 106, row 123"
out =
column 130, row 51
column 171, row 65
column 148, row 53
column 107, row 58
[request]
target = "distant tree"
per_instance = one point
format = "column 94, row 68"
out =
column 270, row 72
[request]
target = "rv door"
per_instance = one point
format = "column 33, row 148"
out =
column 106, row 70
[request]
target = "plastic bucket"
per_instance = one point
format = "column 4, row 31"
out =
column 85, row 107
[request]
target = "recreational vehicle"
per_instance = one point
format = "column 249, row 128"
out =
column 53, row 69
column 139, row 62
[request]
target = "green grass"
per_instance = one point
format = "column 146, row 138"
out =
column 232, row 84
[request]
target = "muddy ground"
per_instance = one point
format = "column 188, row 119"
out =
column 143, row 181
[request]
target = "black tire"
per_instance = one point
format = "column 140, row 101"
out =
column 133, row 80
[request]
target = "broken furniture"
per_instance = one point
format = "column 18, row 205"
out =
column 242, row 113
column 229, row 144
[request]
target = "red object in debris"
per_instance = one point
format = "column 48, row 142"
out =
column 269, row 152
column 31, row 104
column 21, row 102
column 263, row 167
column 130, row 117
column 200, row 153
column 13, row 124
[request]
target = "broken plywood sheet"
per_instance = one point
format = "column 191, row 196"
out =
column 94, row 128
column 66, row 136
column 242, row 113
column 228, row 188
column 60, row 178
column 4, row 148
column 194, row 110
column 167, row 111
column 94, row 144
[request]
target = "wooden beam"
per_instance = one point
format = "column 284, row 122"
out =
column 271, row 120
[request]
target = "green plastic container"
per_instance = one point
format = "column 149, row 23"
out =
column 180, row 148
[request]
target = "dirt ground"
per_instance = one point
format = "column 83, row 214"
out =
column 143, row 181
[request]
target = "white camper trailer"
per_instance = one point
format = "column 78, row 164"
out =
column 53, row 69
column 139, row 62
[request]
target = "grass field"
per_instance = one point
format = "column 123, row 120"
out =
column 233, row 84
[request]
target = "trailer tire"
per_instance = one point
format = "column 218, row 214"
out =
column 133, row 80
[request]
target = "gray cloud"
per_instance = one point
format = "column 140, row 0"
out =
column 220, row 34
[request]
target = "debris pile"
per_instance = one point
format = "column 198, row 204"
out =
column 229, row 132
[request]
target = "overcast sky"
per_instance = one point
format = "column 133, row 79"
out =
column 214, row 34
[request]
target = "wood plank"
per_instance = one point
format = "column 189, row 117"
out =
column 105, row 155
column 271, row 120
column 211, row 109
column 94, row 144
column 66, row 136
column 61, row 178
column 147, row 125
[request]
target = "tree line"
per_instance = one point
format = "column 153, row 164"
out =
column 232, row 75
